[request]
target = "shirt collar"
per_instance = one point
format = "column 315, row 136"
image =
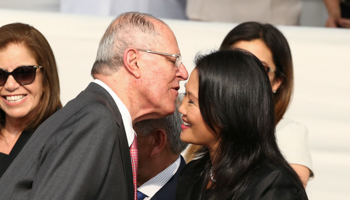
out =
column 126, row 117
column 152, row 186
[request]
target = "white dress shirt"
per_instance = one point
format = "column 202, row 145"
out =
column 152, row 186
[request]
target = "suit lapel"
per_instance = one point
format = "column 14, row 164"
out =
column 168, row 191
column 125, row 152
column 122, row 139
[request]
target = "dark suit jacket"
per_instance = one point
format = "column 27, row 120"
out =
column 80, row 152
column 168, row 191
column 270, row 183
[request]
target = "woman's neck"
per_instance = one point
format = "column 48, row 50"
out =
column 9, row 135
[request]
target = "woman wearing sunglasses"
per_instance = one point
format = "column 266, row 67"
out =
column 268, row 44
column 29, row 87
column 229, row 110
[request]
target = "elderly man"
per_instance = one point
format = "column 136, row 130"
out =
column 160, row 162
column 87, row 149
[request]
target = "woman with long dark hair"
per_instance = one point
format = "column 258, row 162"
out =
column 229, row 110
column 268, row 44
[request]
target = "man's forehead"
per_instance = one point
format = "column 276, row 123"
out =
column 168, row 45
column 166, row 40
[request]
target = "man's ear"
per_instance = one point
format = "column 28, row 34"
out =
column 130, row 60
column 159, row 142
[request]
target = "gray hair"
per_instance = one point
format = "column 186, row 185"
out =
column 131, row 29
column 170, row 124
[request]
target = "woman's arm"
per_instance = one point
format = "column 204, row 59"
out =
column 303, row 173
column 333, row 8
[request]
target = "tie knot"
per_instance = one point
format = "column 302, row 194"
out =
column 140, row 195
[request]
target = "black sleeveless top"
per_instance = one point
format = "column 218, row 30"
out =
column 6, row 160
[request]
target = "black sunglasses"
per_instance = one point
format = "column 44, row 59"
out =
column 24, row 75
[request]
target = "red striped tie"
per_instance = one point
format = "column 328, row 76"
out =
column 134, row 163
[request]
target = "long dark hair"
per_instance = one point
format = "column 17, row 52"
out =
column 281, row 53
column 235, row 97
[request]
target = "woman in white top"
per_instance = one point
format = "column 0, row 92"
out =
column 268, row 44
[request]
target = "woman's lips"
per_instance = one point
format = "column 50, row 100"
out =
column 14, row 99
column 185, row 124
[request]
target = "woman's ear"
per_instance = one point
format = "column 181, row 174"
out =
column 277, row 82
column 130, row 60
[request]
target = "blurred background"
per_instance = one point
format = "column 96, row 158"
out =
column 313, row 13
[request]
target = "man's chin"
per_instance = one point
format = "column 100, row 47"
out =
column 168, row 111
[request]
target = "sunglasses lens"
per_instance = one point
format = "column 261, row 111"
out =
column 24, row 75
column 3, row 77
